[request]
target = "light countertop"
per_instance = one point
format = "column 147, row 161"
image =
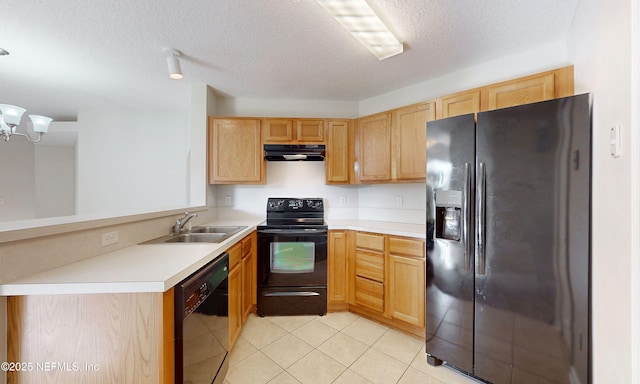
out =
column 385, row 227
column 158, row 267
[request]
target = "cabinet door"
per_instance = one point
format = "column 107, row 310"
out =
column 235, row 304
column 338, row 161
column 407, row 289
column 235, row 152
column 249, row 279
column 310, row 131
column 460, row 104
column 278, row 130
column 374, row 141
column 518, row 92
column 337, row 267
column 247, row 284
column 410, row 141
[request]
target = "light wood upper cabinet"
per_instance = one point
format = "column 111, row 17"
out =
column 374, row 152
column 310, row 131
column 293, row 131
column 459, row 104
column 235, row 151
column 522, row 92
column 529, row 89
column 410, row 141
column 338, row 160
column 278, row 130
column 392, row 145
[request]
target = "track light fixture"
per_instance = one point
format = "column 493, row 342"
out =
column 173, row 63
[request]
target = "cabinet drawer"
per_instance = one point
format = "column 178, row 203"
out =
column 370, row 241
column 406, row 247
column 370, row 265
column 235, row 255
column 369, row 294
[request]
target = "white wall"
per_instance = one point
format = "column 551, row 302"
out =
column 366, row 202
column 306, row 179
column 132, row 161
column 542, row 58
column 55, row 173
column 285, row 108
column 600, row 45
column 17, row 183
column 287, row 179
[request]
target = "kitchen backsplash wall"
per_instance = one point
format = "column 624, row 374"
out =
column 385, row 202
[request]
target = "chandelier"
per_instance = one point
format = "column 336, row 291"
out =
column 10, row 117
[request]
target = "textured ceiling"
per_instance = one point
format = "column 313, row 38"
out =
column 68, row 54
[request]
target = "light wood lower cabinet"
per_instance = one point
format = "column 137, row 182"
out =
column 369, row 271
column 387, row 280
column 235, row 304
column 112, row 338
column 242, row 284
column 249, row 278
column 407, row 289
column 91, row 338
column 369, row 294
column 337, row 271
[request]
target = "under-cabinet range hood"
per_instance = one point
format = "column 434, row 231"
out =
column 294, row 152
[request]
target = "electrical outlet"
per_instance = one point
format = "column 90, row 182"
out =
column 398, row 201
column 1, row 199
column 228, row 201
column 109, row 238
column 343, row 201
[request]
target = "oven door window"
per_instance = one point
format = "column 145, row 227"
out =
column 292, row 257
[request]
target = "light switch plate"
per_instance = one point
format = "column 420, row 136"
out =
column 614, row 141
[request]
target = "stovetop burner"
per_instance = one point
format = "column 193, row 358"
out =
column 294, row 213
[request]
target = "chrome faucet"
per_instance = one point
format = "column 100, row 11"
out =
column 180, row 223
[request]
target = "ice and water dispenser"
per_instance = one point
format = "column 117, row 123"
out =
column 448, row 214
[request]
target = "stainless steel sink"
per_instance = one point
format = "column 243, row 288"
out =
column 200, row 234
column 197, row 238
column 229, row 230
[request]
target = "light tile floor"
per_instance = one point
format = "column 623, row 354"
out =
column 339, row 348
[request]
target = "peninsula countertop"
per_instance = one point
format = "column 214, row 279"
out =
column 158, row 267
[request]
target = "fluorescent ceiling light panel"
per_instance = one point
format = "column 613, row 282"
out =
column 357, row 17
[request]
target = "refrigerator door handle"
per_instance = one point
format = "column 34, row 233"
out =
column 466, row 212
column 480, row 219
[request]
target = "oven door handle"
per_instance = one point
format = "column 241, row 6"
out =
column 305, row 294
column 294, row 231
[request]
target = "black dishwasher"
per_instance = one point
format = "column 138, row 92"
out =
column 202, row 324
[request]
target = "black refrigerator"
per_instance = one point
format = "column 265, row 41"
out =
column 508, row 243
